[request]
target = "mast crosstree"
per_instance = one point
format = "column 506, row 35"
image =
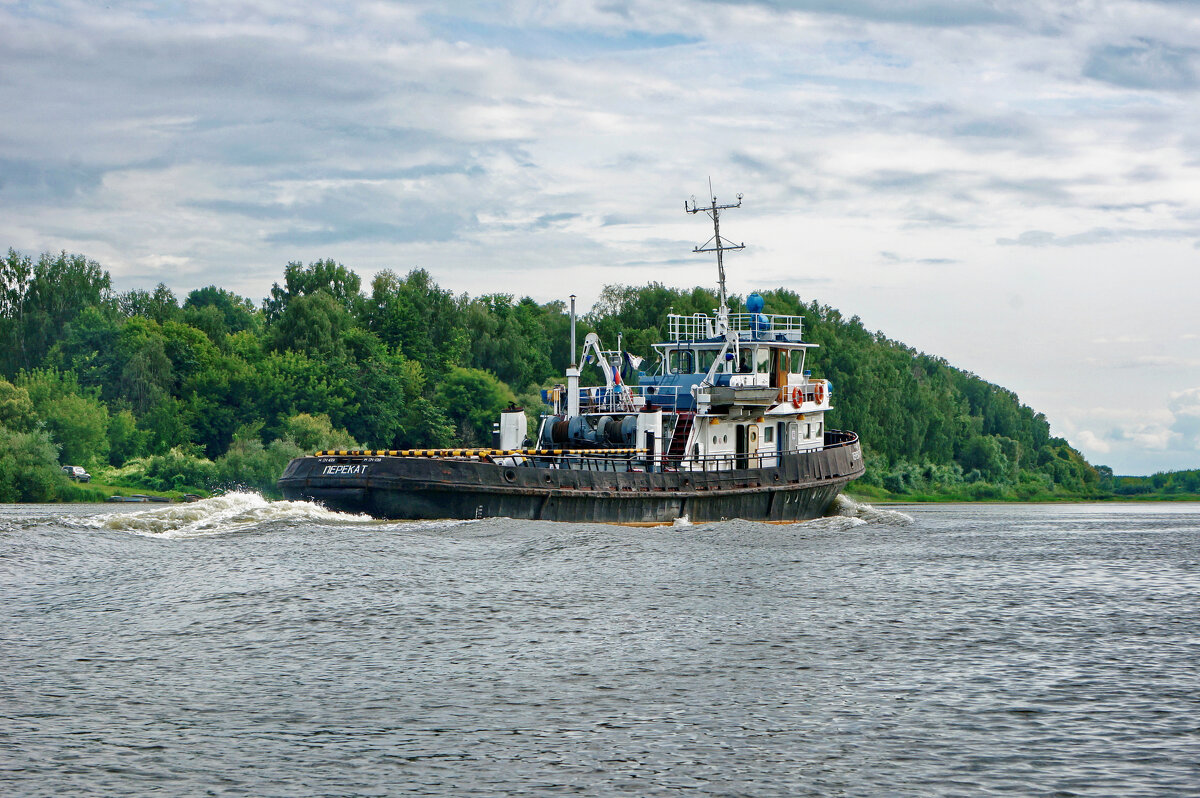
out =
column 716, row 244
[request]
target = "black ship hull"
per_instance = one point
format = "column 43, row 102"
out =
column 792, row 487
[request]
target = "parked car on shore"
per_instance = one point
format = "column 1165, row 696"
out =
column 77, row 473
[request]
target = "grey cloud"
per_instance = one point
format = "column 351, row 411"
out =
column 365, row 213
column 893, row 257
column 433, row 226
column 901, row 180
column 1136, row 206
column 1185, row 428
column 1030, row 238
column 1144, row 64
column 911, row 12
column 46, row 181
column 965, row 127
column 1099, row 235
column 550, row 219
column 1038, row 188
column 752, row 165
column 1144, row 174
column 1007, row 127
column 920, row 216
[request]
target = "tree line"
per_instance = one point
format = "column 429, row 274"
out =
column 212, row 390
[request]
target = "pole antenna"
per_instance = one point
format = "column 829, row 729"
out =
column 718, row 245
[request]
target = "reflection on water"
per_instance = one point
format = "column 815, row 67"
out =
column 237, row 646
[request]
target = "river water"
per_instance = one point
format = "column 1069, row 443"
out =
column 240, row 647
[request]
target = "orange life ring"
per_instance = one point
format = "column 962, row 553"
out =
column 797, row 396
column 819, row 393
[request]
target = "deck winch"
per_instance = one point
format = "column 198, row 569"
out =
column 582, row 430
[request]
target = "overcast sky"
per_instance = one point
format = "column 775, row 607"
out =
column 1012, row 186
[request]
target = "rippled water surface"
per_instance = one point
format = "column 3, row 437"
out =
column 238, row 647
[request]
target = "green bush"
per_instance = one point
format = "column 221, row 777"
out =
column 29, row 470
column 181, row 471
column 314, row 433
column 250, row 465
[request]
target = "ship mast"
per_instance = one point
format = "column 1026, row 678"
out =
column 718, row 245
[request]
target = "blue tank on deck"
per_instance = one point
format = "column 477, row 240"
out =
column 759, row 322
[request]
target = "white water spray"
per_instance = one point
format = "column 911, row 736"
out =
column 846, row 507
column 232, row 512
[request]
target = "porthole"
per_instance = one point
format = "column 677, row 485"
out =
column 714, row 439
column 510, row 475
column 724, row 439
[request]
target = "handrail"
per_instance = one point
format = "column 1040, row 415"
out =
column 699, row 326
column 608, row 459
column 627, row 398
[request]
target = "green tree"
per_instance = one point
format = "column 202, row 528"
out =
column 125, row 440
column 160, row 306
column 79, row 425
column 292, row 382
column 417, row 317
column 145, row 370
column 220, row 313
column 315, row 324
column 29, row 469
column 16, row 409
column 314, row 433
column 40, row 302
column 473, row 400
column 327, row 276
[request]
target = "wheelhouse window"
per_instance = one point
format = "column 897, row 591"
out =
column 681, row 361
column 797, row 361
column 754, row 360
column 746, row 360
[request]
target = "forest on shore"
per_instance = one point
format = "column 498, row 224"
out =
column 217, row 392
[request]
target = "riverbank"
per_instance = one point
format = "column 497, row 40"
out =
column 877, row 495
column 97, row 493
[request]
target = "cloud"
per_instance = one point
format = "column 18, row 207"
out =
column 909, row 12
column 1185, row 429
column 892, row 257
column 1092, row 442
column 1159, row 362
column 1122, row 339
column 1144, row 64
column 47, row 182
column 1096, row 236
column 545, row 42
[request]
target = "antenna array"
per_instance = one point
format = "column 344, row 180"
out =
column 716, row 244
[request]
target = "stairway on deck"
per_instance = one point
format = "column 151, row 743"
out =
column 683, row 428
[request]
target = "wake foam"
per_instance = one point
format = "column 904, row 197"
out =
column 845, row 507
column 231, row 512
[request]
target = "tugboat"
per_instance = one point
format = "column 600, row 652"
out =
column 730, row 425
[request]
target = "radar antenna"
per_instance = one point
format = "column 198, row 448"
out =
column 716, row 244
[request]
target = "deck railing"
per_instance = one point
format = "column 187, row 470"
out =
column 627, row 460
column 627, row 398
column 712, row 467
column 699, row 326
